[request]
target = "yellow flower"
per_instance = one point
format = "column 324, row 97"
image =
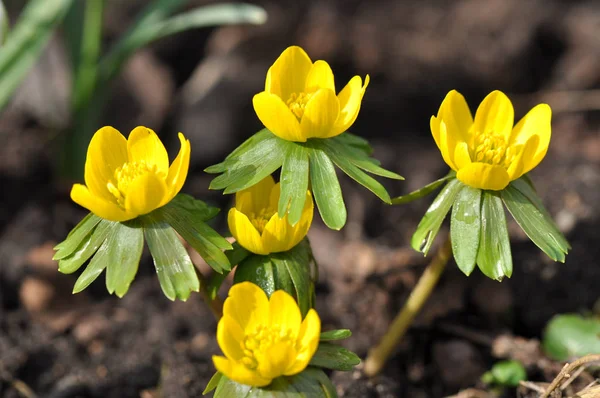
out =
column 255, row 224
column 488, row 152
column 299, row 101
column 264, row 338
column 125, row 178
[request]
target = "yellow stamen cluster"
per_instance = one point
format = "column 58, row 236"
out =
column 256, row 343
column 492, row 149
column 297, row 103
column 260, row 219
column 125, row 175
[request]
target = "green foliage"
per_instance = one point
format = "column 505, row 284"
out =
column 426, row 190
column 571, row 335
column 26, row 40
column 334, row 357
column 332, row 335
column 314, row 160
column 312, row 382
column 494, row 256
column 505, row 374
column 465, row 227
column 4, row 24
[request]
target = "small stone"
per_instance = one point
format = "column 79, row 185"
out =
column 36, row 294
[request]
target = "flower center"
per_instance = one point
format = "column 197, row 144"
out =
column 124, row 177
column 297, row 103
column 492, row 149
column 257, row 342
column 261, row 219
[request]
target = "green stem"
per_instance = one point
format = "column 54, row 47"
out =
column 379, row 354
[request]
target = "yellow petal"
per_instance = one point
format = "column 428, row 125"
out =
column 179, row 168
column 81, row 195
column 248, row 305
column 284, row 311
column 230, row 335
column 239, row 373
column 350, row 99
column 307, row 342
column 320, row 76
column 107, row 152
column 455, row 113
column 145, row 194
column 522, row 160
column 447, row 146
column 278, row 357
column 244, row 232
column 536, row 122
column 257, row 197
column 320, row 114
column 495, row 114
column 484, row 176
column 277, row 117
column 279, row 235
column 288, row 74
column 144, row 145
column 461, row 155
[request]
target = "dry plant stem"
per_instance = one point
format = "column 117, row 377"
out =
column 379, row 354
column 216, row 305
column 567, row 370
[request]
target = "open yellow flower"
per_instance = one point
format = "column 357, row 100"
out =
column 257, row 227
column 488, row 152
column 300, row 102
column 263, row 338
column 126, row 178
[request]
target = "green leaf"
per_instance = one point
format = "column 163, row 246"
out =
column 296, row 264
column 535, row 221
column 206, row 241
column 494, row 257
column 213, row 383
column 87, row 248
column 570, row 335
column 426, row 190
column 258, row 270
column 356, row 142
column 235, row 256
column 231, row 159
column 155, row 25
column 332, row 335
column 199, row 209
column 334, row 357
column 251, row 165
column 505, row 373
column 430, row 224
column 4, row 23
column 176, row 273
column 124, row 254
column 95, row 267
column 311, row 382
column 294, row 183
column 76, row 236
column 465, row 228
column 26, row 41
column 326, row 189
column 358, row 175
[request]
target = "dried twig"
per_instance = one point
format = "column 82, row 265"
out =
column 567, row 370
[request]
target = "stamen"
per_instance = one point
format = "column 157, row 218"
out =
column 492, row 148
column 261, row 219
column 124, row 176
column 257, row 342
column 297, row 103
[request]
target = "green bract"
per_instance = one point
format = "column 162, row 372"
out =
column 478, row 228
column 301, row 162
column 117, row 247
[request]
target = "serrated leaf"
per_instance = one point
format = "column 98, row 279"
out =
column 296, row 264
column 76, row 236
column 88, row 247
column 535, row 221
column 326, row 190
column 494, row 257
column 426, row 190
column 431, row 222
column 124, row 254
column 465, row 228
column 176, row 273
column 332, row 335
column 251, row 165
column 331, row 356
column 294, row 183
column 571, row 335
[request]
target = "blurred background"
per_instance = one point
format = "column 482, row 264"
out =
column 201, row 82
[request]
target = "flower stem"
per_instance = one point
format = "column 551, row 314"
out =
column 379, row 354
column 215, row 305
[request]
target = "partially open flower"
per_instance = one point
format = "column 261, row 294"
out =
column 264, row 338
column 300, row 101
column 488, row 152
column 256, row 225
column 126, row 178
